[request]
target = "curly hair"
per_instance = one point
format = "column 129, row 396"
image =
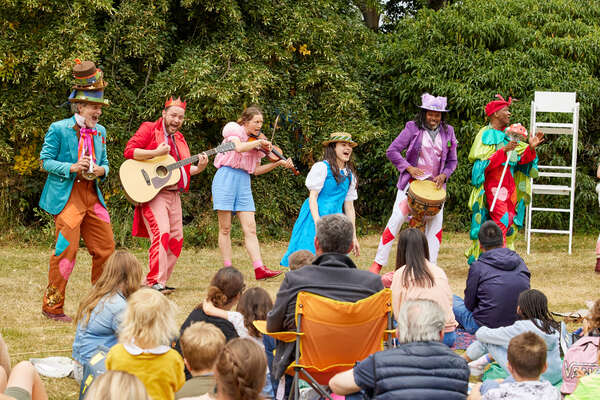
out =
column 421, row 119
column 241, row 369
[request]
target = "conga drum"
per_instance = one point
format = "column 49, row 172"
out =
column 424, row 199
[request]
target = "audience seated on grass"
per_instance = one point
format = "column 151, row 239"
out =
column 100, row 313
column 201, row 344
column 300, row 258
column 117, row 385
column 417, row 278
column 583, row 357
column 526, row 363
column 333, row 275
column 494, row 283
column 492, row 343
column 254, row 304
column 421, row 367
column 224, row 292
column 21, row 382
column 148, row 328
column 239, row 371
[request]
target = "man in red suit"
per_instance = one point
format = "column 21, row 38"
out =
column 160, row 219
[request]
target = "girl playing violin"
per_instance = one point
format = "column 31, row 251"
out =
column 231, row 190
column 332, row 189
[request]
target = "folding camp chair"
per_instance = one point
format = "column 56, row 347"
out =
column 331, row 335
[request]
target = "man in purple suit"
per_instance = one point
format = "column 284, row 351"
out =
column 430, row 147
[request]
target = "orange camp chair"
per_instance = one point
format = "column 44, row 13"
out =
column 331, row 335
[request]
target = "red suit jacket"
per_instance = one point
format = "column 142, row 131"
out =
column 148, row 137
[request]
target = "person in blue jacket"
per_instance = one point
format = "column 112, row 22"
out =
column 101, row 311
column 74, row 155
column 494, row 283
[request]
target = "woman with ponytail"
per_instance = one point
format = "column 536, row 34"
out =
column 224, row 292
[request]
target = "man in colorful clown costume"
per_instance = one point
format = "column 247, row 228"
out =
column 488, row 154
column 160, row 219
column 74, row 155
column 430, row 147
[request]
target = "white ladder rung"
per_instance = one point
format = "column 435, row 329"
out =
column 555, row 174
column 565, row 210
column 551, row 189
column 551, row 128
column 559, row 167
column 553, row 124
column 560, row 232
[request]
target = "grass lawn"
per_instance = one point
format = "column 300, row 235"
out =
column 567, row 280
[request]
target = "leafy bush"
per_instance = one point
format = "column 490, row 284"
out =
column 470, row 51
column 314, row 63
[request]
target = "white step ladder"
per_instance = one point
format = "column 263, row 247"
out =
column 555, row 102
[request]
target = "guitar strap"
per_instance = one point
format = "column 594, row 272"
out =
column 183, row 173
column 175, row 146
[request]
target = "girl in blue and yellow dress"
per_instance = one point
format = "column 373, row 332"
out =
column 332, row 189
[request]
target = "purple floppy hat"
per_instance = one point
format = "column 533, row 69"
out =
column 432, row 103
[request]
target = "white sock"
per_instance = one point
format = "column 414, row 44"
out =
column 481, row 361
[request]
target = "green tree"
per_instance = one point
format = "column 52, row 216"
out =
column 474, row 49
column 315, row 63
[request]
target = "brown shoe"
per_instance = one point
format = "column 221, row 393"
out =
column 597, row 265
column 58, row 317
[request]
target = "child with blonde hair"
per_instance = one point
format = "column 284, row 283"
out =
column 148, row 328
column 201, row 344
column 115, row 385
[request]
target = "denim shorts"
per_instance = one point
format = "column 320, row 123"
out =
column 231, row 190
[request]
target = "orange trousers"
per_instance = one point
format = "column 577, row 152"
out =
column 83, row 217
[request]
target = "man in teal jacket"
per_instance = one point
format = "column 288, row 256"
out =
column 74, row 155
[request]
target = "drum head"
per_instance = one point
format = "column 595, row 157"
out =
column 427, row 191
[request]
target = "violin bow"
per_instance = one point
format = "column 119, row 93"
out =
column 274, row 128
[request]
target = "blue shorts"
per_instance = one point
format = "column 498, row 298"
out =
column 231, row 190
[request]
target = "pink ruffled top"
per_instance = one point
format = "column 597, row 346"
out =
column 247, row 160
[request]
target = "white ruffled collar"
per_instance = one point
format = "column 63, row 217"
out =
column 134, row 350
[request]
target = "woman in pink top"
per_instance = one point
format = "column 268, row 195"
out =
column 417, row 278
column 231, row 190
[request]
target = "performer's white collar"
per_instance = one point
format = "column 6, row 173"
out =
column 134, row 350
column 80, row 120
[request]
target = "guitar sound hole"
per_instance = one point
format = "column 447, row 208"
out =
column 161, row 171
